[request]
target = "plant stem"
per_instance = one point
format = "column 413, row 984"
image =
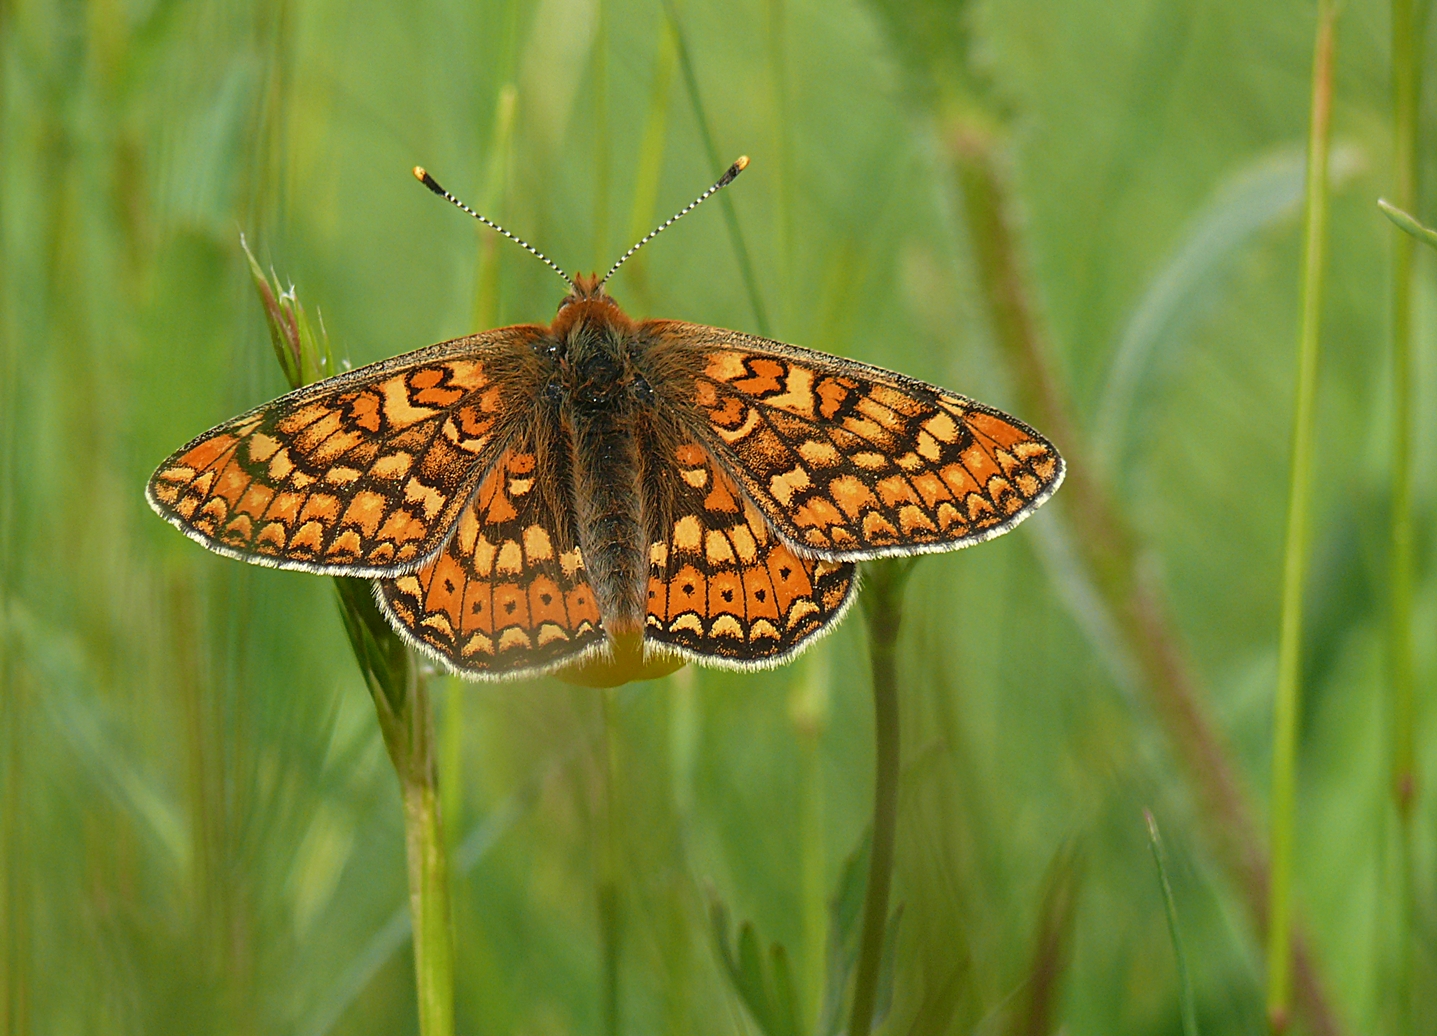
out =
column 610, row 917
column 428, row 872
column 1289, row 664
column 882, row 612
column 401, row 702
column 1406, row 89
column 406, row 719
column 1107, row 546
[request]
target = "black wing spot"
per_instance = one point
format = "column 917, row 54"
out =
column 448, row 585
column 547, row 598
column 478, row 607
column 688, row 589
column 509, row 607
column 727, row 595
column 762, row 595
column 785, row 572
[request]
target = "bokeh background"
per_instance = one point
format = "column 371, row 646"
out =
column 199, row 828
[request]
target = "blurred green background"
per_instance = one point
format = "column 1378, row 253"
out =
column 200, row 828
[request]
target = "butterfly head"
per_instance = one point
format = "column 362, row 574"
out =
column 587, row 303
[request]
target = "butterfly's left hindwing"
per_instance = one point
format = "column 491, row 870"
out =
column 363, row 474
column 850, row 461
column 508, row 595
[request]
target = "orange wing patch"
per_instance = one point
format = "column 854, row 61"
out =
column 508, row 595
column 722, row 587
column 853, row 462
column 363, row 474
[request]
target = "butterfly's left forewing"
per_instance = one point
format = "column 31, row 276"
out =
column 362, row 474
column 850, row 461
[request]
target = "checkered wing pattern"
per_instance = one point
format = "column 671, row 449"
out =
column 723, row 588
column 363, row 474
column 508, row 595
column 851, row 462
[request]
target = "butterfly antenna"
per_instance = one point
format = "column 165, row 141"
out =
column 723, row 181
column 433, row 184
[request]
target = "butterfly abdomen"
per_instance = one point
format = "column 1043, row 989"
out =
column 599, row 386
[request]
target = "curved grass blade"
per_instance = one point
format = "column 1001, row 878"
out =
column 1261, row 194
column 1185, row 982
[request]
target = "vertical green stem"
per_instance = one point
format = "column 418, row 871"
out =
column 782, row 172
column 601, row 137
column 401, row 702
column 1285, row 709
column 610, row 917
column 1406, row 82
column 406, row 719
column 882, row 612
column 428, row 868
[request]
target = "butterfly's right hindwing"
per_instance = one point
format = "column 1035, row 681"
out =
column 364, row 474
column 723, row 588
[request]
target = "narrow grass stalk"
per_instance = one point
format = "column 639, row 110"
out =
column 882, row 613
column 1294, row 569
column 610, row 913
column 401, row 701
column 600, row 125
column 1406, row 89
column 1185, row 981
column 1109, row 549
column 718, row 164
column 428, row 862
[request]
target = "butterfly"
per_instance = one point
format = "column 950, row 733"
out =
column 534, row 496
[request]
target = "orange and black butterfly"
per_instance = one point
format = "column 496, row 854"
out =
column 530, row 496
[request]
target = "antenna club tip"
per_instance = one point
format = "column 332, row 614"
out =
column 422, row 175
column 732, row 171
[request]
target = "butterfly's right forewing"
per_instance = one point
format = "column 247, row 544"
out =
column 364, row 474
column 849, row 461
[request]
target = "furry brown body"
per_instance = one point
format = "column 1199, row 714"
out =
column 603, row 396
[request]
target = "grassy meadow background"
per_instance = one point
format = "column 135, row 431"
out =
column 199, row 828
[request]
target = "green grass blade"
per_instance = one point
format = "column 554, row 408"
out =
column 718, row 164
column 1185, row 982
column 1289, row 673
column 1260, row 194
column 1426, row 235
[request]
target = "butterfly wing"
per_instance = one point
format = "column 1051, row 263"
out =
column 850, row 461
column 363, row 474
column 723, row 588
column 508, row 595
